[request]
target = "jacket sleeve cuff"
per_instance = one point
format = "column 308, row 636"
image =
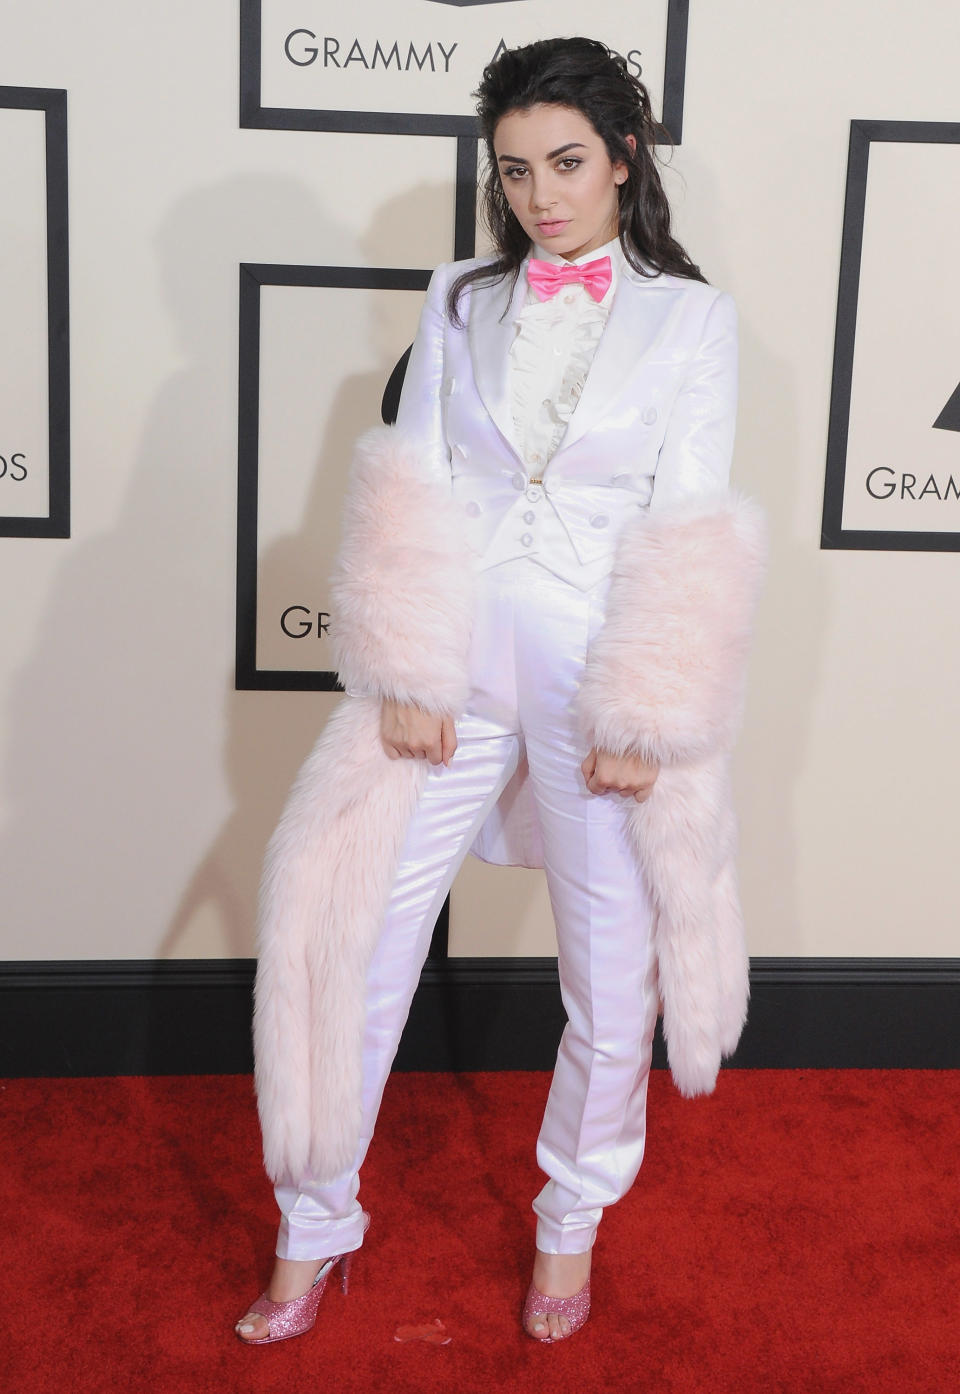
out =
column 664, row 678
column 401, row 589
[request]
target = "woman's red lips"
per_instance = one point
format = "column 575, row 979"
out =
column 553, row 225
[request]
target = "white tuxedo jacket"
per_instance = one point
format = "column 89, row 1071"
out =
column 654, row 425
column 664, row 677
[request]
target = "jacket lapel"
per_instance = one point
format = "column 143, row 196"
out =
column 490, row 332
column 630, row 331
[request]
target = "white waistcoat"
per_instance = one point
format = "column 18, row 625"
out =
column 568, row 524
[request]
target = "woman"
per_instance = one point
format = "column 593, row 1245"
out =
column 568, row 699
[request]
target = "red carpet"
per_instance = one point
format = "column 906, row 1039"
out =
column 798, row 1231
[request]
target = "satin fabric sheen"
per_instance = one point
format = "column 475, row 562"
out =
column 528, row 650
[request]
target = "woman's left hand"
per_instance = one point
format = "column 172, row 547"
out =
column 619, row 774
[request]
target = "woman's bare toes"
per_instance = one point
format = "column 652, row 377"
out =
column 548, row 1326
column 252, row 1327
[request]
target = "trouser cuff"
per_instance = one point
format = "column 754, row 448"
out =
column 301, row 1238
column 552, row 1239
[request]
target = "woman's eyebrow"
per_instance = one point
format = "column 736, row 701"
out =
column 551, row 155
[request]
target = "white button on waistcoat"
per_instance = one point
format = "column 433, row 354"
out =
column 648, row 416
column 599, row 520
column 529, row 516
column 519, row 480
column 473, row 508
column 534, row 492
column 527, row 539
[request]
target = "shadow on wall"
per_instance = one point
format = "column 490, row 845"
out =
column 794, row 612
column 793, row 624
column 792, row 620
column 114, row 773
column 124, row 738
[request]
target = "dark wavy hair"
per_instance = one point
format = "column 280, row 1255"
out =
column 586, row 75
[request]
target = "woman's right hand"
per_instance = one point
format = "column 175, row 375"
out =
column 407, row 733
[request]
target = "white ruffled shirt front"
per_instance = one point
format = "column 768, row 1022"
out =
column 552, row 353
column 549, row 360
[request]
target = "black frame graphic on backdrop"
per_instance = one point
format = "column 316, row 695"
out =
column 833, row 534
column 254, row 275
column 52, row 101
column 254, row 114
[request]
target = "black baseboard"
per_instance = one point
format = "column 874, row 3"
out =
column 192, row 1016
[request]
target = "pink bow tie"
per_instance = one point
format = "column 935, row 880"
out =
column 546, row 277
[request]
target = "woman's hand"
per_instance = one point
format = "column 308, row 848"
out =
column 407, row 733
column 619, row 774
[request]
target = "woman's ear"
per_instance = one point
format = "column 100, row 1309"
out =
column 620, row 169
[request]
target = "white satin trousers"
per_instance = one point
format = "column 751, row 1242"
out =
column 529, row 644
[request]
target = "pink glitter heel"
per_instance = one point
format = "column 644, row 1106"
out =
column 576, row 1309
column 294, row 1318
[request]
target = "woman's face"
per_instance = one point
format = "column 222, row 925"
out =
column 558, row 178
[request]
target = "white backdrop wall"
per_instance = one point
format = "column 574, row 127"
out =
column 138, row 787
